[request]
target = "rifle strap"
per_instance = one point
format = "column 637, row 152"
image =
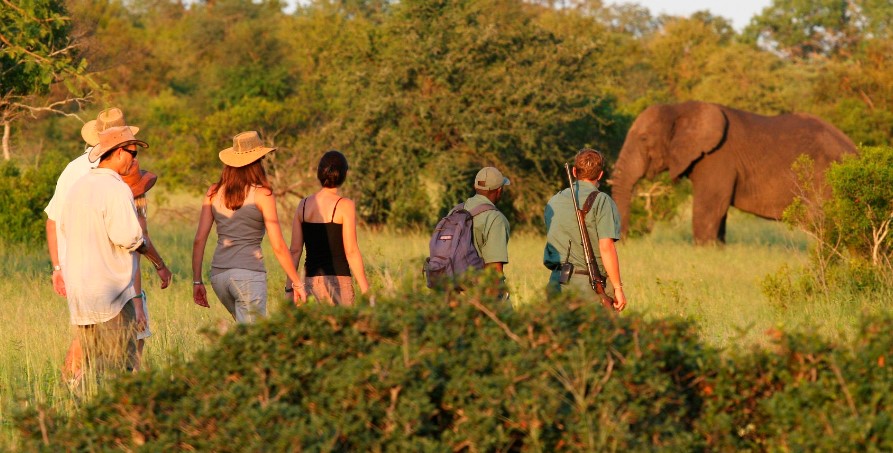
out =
column 589, row 201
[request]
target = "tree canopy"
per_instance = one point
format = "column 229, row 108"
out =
column 419, row 94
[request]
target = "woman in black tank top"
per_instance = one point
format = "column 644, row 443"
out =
column 325, row 223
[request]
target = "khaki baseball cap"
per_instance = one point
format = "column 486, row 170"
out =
column 489, row 178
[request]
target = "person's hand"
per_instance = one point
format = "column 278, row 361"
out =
column 140, row 313
column 166, row 276
column 200, row 295
column 299, row 295
column 619, row 299
column 59, row 283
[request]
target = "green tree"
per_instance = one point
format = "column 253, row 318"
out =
column 856, row 93
column 803, row 29
column 679, row 53
column 450, row 86
column 40, row 70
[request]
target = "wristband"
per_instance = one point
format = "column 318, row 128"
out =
column 159, row 266
column 199, row 282
column 57, row 268
column 138, row 296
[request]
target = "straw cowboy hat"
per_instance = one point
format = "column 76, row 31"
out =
column 247, row 148
column 114, row 137
column 112, row 117
column 140, row 181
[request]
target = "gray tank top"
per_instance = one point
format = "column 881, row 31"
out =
column 239, row 234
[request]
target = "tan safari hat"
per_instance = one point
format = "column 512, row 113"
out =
column 247, row 148
column 489, row 178
column 140, row 181
column 111, row 117
column 112, row 138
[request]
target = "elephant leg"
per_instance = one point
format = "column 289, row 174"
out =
column 721, row 234
column 713, row 187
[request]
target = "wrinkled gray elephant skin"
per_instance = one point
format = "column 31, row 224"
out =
column 732, row 157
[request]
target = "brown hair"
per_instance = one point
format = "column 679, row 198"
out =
column 589, row 163
column 332, row 169
column 237, row 181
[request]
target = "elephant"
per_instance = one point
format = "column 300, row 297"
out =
column 732, row 157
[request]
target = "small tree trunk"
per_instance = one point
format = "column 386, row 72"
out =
column 6, row 140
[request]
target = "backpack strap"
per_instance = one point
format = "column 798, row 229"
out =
column 589, row 201
column 481, row 209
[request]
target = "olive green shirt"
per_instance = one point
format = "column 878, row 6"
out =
column 491, row 231
column 563, row 233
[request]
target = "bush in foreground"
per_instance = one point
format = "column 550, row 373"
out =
column 463, row 372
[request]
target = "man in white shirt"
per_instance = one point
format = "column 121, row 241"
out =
column 101, row 231
column 75, row 169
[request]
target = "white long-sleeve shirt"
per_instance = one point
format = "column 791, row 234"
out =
column 74, row 171
column 101, row 229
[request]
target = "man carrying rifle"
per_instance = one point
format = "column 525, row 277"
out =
column 565, row 254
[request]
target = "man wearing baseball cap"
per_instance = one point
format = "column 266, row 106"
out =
column 100, row 227
column 491, row 227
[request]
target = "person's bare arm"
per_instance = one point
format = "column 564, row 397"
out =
column 266, row 203
column 160, row 267
column 53, row 246
column 612, row 268
column 205, row 221
column 351, row 247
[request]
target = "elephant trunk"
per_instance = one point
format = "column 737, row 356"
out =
column 630, row 168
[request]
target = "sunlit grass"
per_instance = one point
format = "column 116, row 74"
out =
column 664, row 275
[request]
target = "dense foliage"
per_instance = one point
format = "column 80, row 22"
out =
column 850, row 222
column 24, row 193
column 40, row 68
column 419, row 94
column 465, row 373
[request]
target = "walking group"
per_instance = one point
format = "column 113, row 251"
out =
column 97, row 230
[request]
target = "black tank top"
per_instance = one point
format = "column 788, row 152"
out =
column 325, row 247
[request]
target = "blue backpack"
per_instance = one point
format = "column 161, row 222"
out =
column 451, row 248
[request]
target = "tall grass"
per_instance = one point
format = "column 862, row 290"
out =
column 718, row 287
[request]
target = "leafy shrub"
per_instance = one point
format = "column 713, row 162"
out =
column 437, row 372
column 418, row 372
column 805, row 395
column 850, row 223
column 24, row 193
column 863, row 202
column 656, row 201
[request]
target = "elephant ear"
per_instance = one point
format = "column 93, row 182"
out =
column 699, row 128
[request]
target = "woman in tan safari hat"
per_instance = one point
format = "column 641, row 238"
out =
column 326, row 224
column 242, row 205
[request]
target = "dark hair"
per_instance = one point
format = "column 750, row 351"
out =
column 589, row 163
column 237, row 181
column 332, row 169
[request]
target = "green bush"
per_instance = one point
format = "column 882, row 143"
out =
column 420, row 372
column 849, row 224
column 439, row 372
column 862, row 202
column 24, row 193
column 656, row 201
column 805, row 395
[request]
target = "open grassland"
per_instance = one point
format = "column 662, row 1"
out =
column 717, row 287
